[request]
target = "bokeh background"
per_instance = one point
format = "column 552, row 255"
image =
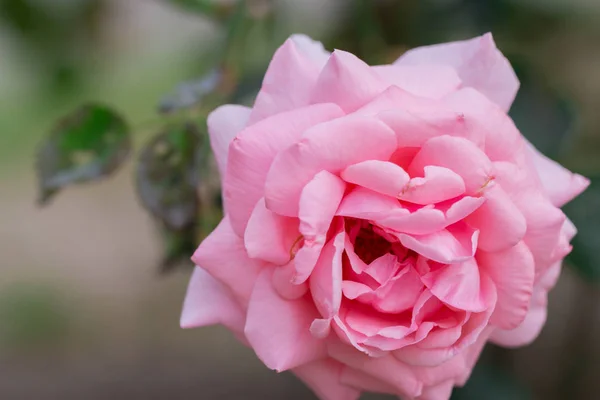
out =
column 85, row 311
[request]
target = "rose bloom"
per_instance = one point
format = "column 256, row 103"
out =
column 381, row 223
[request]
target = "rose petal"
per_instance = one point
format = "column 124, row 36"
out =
column 478, row 62
column 437, row 185
column 289, row 80
column 224, row 123
column 457, row 154
column 326, row 280
column 269, row 236
column 279, row 330
column 560, row 184
column 433, row 81
column 347, row 81
column 252, row 153
column 447, row 246
column 500, row 222
column 513, row 272
column 224, row 256
column 380, row 176
column 324, row 378
column 330, row 146
column 208, row 302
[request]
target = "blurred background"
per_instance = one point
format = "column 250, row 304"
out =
column 86, row 308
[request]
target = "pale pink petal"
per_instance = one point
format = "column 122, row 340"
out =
column 438, row 184
column 512, row 271
column 208, row 302
column 347, row 81
column 478, row 62
column 324, row 378
column 383, row 268
column 313, row 49
column 502, row 140
column 459, row 155
column 533, row 323
column 224, row 256
column 500, row 222
column 380, row 176
column 330, row 146
column 428, row 219
column 441, row 391
column 269, row 236
column 560, row 184
column 460, row 286
column 544, row 228
column 402, row 293
column 326, row 280
column 252, row 153
column 289, row 80
column 366, row 204
column 279, row 330
column 433, row 81
column 283, row 282
column 455, row 244
column 362, row 381
column 416, row 119
column 224, row 123
column 386, row 369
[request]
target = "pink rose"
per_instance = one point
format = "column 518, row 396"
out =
column 382, row 223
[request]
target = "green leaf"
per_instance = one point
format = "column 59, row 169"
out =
column 584, row 211
column 168, row 174
column 191, row 93
column 178, row 247
column 87, row 145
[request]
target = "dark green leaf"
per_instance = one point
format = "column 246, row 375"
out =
column 584, row 211
column 178, row 247
column 168, row 174
column 87, row 145
column 191, row 93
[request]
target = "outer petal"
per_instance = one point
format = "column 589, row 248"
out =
column 224, row 256
column 478, row 62
column 208, row 302
column 441, row 391
column 512, row 271
column 279, row 330
column 347, row 81
column 252, row 153
column 223, row 124
column 433, row 81
column 324, row 378
column 531, row 327
column 560, row 184
column 330, row 146
column 387, row 369
column 289, row 80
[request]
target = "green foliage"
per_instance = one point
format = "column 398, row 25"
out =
column 89, row 144
column 168, row 174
